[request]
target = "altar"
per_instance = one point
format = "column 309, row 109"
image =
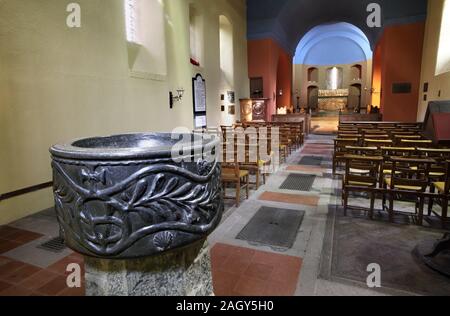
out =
column 333, row 100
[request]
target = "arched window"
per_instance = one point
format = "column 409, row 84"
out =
column 334, row 78
column 313, row 74
column 196, row 35
column 144, row 20
column 226, row 52
column 356, row 72
column 443, row 58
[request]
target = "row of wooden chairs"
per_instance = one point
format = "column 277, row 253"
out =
column 398, row 176
column 242, row 150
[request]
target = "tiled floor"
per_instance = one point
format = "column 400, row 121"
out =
column 240, row 268
column 21, row 279
column 239, row 271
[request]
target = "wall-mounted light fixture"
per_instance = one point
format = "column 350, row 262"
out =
column 176, row 98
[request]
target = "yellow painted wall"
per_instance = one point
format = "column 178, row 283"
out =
column 436, row 83
column 58, row 83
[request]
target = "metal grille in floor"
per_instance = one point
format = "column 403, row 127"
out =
column 273, row 227
column 311, row 161
column 53, row 245
column 298, row 182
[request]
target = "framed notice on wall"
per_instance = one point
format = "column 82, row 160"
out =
column 199, row 93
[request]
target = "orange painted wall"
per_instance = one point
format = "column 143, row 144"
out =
column 376, row 79
column 401, row 61
column 284, row 79
column 268, row 60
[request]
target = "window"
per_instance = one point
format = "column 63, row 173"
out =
column 131, row 19
column 226, row 52
column 196, row 35
column 145, row 26
column 443, row 58
column 334, row 78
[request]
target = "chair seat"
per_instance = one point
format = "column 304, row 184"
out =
column 359, row 171
column 361, row 184
column 433, row 174
column 387, row 171
column 440, row 186
column 402, row 187
column 230, row 175
column 262, row 163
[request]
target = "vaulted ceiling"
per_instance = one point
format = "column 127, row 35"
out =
column 347, row 43
column 287, row 21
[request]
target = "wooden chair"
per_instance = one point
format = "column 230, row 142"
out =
column 340, row 150
column 423, row 143
column 443, row 198
column 378, row 143
column 232, row 174
column 393, row 152
column 409, row 175
column 367, row 180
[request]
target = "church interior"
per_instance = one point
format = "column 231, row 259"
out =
column 328, row 124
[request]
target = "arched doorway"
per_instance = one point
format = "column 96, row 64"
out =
column 354, row 98
column 313, row 98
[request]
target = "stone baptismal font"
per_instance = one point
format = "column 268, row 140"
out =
column 139, row 216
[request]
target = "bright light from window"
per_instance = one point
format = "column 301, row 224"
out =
column 443, row 59
column 334, row 78
column 131, row 18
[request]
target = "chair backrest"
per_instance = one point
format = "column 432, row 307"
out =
column 341, row 143
column 370, row 165
column 447, row 178
column 378, row 143
column 411, row 172
column 425, row 143
column 362, row 151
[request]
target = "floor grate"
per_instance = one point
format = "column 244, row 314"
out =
column 298, row 182
column 56, row 245
column 273, row 227
column 311, row 161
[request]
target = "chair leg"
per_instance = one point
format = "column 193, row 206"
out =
column 391, row 207
column 345, row 198
column 372, row 204
column 238, row 193
column 420, row 215
column 431, row 200
column 248, row 187
column 444, row 211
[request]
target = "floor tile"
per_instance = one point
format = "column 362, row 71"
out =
column 289, row 198
column 38, row 280
column 4, row 285
column 251, row 287
column 16, row 291
column 31, row 254
column 7, row 245
column 259, row 271
column 21, row 274
column 54, row 287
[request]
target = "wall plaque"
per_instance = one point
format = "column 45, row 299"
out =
column 199, row 93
